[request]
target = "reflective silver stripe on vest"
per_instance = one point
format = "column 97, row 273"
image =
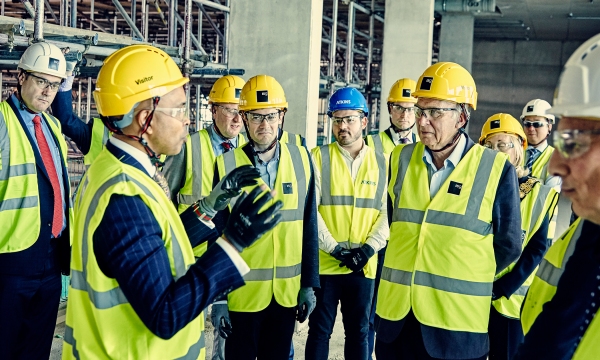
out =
column 194, row 350
column 105, row 135
column 115, row 296
column 283, row 272
column 20, row 203
column 456, row 286
column 538, row 206
column 522, row 290
column 298, row 213
column 377, row 144
column 469, row 221
column 195, row 144
column 348, row 245
column 70, row 339
column 327, row 199
column 550, row 273
column 396, row 276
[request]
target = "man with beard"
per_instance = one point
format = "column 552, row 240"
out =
column 402, row 117
column 351, row 182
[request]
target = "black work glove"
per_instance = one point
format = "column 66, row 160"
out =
column 306, row 303
column 245, row 224
column 219, row 316
column 339, row 253
column 498, row 289
column 358, row 258
column 230, row 186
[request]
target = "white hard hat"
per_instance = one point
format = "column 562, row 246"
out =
column 578, row 91
column 44, row 58
column 538, row 107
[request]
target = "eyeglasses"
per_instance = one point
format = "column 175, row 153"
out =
column 535, row 124
column 348, row 120
column 228, row 112
column 399, row 109
column 180, row 113
column 502, row 147
column 572, row 144
column 258, row 118
column 432, row 113
column 44, row 83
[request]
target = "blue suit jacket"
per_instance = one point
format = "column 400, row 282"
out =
column 45, row 253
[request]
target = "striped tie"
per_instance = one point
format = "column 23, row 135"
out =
column 532, row 155
column 162, row 182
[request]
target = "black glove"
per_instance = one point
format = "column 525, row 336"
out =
column 339, row 253
column 230, row 186
column 358, row 258
column 219, row 316
column 245, row 224
column 306, row 303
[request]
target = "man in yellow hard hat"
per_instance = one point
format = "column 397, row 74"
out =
column 284, row 265
column 453, row 208
column 560, row 311
column 400, row 105
column 35, row 214
column 136, row 289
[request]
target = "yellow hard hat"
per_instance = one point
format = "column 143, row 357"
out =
column 401, row 90
column 447, row 81
column 262, row 92
column 133, row 74
column 503, row 123
column 226, row 90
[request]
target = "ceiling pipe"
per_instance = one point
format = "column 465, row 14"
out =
column 38, row 21
column 473, row 6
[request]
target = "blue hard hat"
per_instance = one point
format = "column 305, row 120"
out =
column 347, row 99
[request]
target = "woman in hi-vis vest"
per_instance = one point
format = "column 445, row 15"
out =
column 502, row 132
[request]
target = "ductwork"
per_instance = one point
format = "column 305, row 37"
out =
column 472, row 6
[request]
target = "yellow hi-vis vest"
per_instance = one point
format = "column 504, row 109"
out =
column 100, row 135
column 101, row 324
column 539, row 170
column 199, row 173
column 382, row 143
column 289, row 138
column 19, row 198
column 349, row 207
column 546, row 279
column 539, row 202
column 440, row 256
column 275, row 260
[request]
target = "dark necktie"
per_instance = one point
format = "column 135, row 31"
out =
column 227, row 146
column 532, row 155
column 403, row 140
column 57, row 217
column 162, row 182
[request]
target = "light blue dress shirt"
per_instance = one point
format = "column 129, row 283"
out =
column 268, row 170
column 216, row 140
column 437, row 177
column 54, row 149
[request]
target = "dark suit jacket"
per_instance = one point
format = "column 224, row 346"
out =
column 506, row 224
column 45, row 251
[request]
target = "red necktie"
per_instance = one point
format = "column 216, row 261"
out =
column 226, row 146
column 57, row 218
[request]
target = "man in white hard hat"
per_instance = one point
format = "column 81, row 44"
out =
column 567, row 284
column 34, row 207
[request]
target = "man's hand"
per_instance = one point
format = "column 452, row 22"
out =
column 358, row 258
column 230, row 186
column 339, row 253
column 219, row 316
column 306, row 303
column 246, row 224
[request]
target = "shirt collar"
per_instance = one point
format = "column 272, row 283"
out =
column 275, row 157
column 541, row 147
column 396, row 135
column 346, row 153
column 215, row 138
column 454, row 157
column 137, row 154
column 25, row 115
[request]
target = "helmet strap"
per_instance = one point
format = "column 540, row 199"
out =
column 451, row 143
column 253, row 144
column 546, row 138
column 400, row 130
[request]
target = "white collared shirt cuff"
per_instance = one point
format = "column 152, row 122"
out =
column 234, row 255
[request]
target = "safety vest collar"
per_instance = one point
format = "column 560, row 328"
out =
column 550, row 273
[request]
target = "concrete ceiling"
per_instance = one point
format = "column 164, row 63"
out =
column 541, row 20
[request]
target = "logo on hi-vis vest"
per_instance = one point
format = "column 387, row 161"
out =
column 340, row 102
column 288, row 188
column 368, row 182
column 454, row 188
column 143, row 80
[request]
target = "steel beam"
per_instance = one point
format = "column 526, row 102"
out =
column 38, row 23
column 127, row 19
column 214, row 5
column 350, row 43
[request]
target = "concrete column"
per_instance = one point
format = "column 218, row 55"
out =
column 407, row 45
column 456, row 38
column 282, row 39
